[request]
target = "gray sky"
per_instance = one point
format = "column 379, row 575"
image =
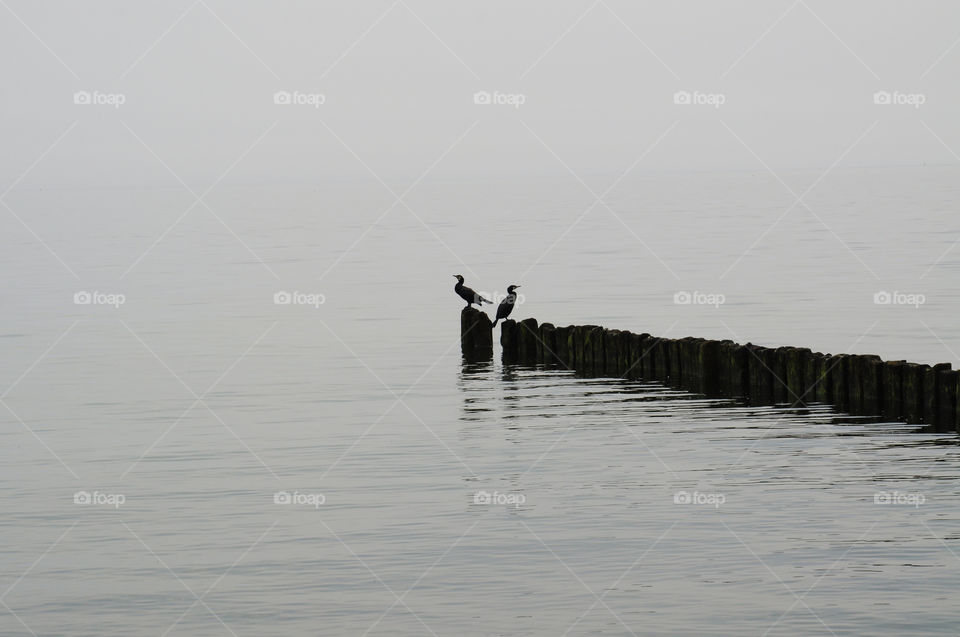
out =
column 397, row 79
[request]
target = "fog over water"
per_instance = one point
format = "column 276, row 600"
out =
column 232, row 399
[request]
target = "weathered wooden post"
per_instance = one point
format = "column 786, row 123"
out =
column 509, row 341
column 854, row 384
column 871, row 379
column 823, row 392
column 709, row 364
column 547, row 344
column 811, row 376
column 734, row 369
column 797, row 361
column 913, row 375
column 776, row 360
column 476, row 335
column 838, row 381
column 761, row 378
column 611, row 353
column 893, row 390
column 562, row 339
column 947, row 400
column 529, row 334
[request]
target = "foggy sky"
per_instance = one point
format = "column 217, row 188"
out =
column 597, row 81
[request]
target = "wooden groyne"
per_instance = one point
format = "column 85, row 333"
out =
column 858, row 384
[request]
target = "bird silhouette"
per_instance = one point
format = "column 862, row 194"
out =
column 506, row 305
column 468, row 294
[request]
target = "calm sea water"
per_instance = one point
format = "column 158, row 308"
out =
column 200, row 460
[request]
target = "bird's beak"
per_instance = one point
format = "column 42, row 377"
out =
column 518, row 286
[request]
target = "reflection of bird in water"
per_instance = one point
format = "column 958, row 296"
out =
column 467, row 294
column 506, row 305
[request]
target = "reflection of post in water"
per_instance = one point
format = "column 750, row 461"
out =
column 476, row 378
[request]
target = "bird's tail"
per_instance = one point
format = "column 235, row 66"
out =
column 495, row 322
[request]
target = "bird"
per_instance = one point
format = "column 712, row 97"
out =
column 506, row 305
column 467, row 294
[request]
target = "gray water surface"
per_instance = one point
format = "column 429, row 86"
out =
column 199, row 400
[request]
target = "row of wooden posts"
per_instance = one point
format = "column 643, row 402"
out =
column 854, row 383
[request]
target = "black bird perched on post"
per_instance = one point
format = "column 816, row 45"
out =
column 506, row 305
column 467, row 294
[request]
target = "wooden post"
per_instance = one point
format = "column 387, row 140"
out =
column 528, row 337
column 893, row 390
column 947, row 400
column 509, row 342
column 709, row 365
column 871, row 379
column 611, row 353
column 761, row 378
column 913, row 375
column 476, row 335
column 838, row 381
column 547, row 347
